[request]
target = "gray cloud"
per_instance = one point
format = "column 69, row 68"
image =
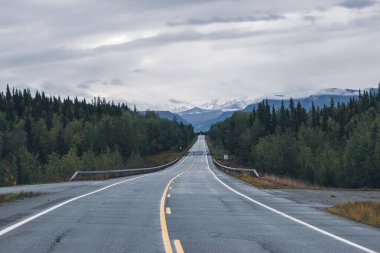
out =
column 83, row 86
column 196, row 21
column 62, row 54
column 176, row 101
column 87, row 84
column 182, row 36
column 137, row 71
column 310, row 18
column 116, row 82
column 53, row 88
column 357, row 4
column 172, row 51
column 44, row 56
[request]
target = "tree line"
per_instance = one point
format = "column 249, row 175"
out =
column 46, row 138
column 335, row 145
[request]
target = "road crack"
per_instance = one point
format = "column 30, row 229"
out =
column 57, row 240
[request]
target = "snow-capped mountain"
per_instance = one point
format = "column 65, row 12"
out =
column 339, row 92
column 232, row 105
column 180, row 109
column 319, row 98
column 224, row 106
column 199, row 117
column 204, row 116
column 195, row 111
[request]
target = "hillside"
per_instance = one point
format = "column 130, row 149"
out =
column 203, row 117
column 172, row 116
column 45, row 138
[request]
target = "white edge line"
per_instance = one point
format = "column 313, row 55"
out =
column 290, row 217
column 33, row 217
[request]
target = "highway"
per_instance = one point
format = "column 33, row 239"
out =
column 189, row 207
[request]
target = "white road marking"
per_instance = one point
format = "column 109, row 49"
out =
column 290, row 217
column 33, row 217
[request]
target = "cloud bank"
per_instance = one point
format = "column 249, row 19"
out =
column 164, row 54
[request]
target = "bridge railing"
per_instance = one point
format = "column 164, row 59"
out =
column 106, row 174
column 198, row 153
column 251, row 172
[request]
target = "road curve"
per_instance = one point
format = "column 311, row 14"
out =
column 190, row 207
column 122, row 218
column 214, row 212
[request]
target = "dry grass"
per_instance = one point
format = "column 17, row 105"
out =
column 276, row 182
column 167, row 156
column 269, row 181
column 367, row 212
column 18, row 196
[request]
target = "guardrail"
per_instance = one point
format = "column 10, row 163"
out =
column 198, row 153
column 106, row 174
column 251, row 172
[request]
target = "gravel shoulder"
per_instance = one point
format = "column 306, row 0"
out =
column 323, row 198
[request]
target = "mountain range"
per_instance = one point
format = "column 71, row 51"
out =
column 204, row 116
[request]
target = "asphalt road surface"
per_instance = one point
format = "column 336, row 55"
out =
column 189, row 207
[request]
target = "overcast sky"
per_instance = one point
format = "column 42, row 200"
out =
column 160, row 54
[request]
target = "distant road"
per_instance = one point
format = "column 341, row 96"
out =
column 190, row 207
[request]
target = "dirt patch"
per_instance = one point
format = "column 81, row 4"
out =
column 9, row 197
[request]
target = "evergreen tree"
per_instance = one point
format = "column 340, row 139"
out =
column 337, row 145
column 45, row 138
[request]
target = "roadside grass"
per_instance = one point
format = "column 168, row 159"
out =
column 268, row 181
column 276, row 182
column 9, row 197
column 367, row 212
column 264, row 181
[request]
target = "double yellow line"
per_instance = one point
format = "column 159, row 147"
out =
column 164, row 227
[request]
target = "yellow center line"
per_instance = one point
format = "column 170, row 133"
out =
column 164, row 227
column 178, row 246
